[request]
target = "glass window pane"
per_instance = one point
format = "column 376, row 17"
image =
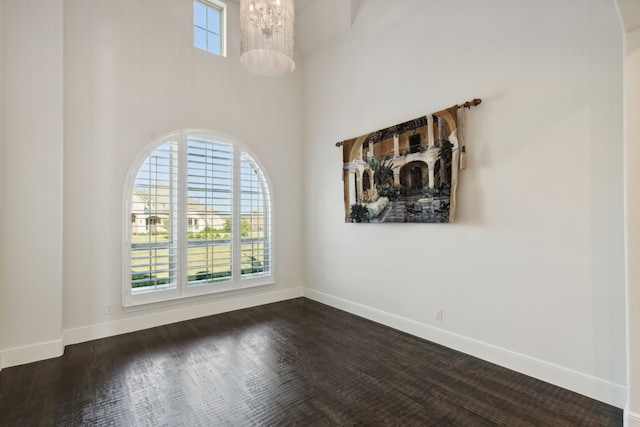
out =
column 255, row 220
column 199, row 14
column 200, row 38
column 213, row 43
column 196, row 181
column 213, row 20
column 153, row 234
column 209, row 196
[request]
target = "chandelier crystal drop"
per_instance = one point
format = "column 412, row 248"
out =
column 267, row 30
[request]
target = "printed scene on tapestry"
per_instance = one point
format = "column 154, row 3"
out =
column 407, row 172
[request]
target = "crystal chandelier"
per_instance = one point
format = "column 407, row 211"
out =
column 266, row 28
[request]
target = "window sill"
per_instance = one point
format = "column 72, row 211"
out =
column 133, row 307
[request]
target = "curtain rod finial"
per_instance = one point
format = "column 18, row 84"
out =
column 469, row 104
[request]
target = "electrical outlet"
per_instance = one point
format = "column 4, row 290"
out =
column 108, row 309
column 438, row 313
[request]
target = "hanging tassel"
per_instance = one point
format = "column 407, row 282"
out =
column 463, row 158
column 463, row 150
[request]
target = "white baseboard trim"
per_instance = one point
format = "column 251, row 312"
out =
column 47, row 350
column 31, row 353
column 595, row 388
column 631, row 419
column 132, row 324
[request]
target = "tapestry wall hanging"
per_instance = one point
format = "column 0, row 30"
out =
column 407, row 172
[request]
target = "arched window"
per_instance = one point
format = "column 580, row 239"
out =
column 197, row 219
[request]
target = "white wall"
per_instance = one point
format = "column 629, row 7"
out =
column 3, row 330
column 31, row 181
column 131, row 76
column 632, row 177
column 531, row 274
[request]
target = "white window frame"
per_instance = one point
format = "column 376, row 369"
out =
column 183, row 291
column 222, row 7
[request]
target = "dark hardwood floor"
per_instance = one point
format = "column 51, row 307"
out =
column 296, row 362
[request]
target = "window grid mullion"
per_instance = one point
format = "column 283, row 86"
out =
column 266, row 226
column 237, row 216
column 182, row 209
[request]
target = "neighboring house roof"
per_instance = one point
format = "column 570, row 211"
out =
column 160, row 199
column 196, row 206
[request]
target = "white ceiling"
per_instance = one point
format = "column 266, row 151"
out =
column 629, row 11
column 320, row 21
column 317, row 22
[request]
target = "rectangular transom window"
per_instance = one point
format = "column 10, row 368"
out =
column 209, row 26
